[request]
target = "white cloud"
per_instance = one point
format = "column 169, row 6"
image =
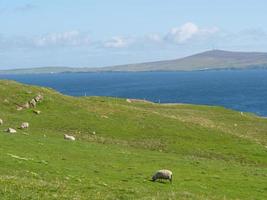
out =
column 118, row 42
column 69, row 38
column 188, row 31
column 154, row 37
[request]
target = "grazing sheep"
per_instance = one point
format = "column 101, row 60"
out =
column 24, row 125
column 162, row 174
column 1, row 122
column 69, row 137
column 11, row 130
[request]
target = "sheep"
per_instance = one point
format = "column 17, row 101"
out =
column 11, row 130
column 24, row 125
column 1, row 121
column 69, row 137
column 162, row 174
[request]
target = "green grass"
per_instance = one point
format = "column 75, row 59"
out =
column 214, row 153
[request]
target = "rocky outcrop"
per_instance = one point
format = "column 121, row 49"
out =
column 32, row 103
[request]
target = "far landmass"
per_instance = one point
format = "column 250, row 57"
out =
column 208, row 60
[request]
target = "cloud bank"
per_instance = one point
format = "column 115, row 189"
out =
column 189, row 31
column 187, row 34
column 68, row 38
column 117, row 42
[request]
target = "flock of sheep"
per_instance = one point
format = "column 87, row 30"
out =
column 24, row 125
column 32, row 103
column 163, row 174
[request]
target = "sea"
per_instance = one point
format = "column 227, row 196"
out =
column 242, row 90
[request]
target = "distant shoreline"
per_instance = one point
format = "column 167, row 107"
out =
column 21, row 72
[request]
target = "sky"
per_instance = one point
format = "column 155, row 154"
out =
column 95, row 33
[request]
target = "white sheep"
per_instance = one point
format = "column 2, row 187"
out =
column 1, row 121
column 162, row 174
column 69, row 137
column 24, row 125
column 11, row 130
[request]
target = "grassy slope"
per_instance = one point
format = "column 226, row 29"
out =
column 214, row 153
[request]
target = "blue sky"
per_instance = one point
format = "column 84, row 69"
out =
column 91, row 33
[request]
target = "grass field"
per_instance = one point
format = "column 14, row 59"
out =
column 214, row 153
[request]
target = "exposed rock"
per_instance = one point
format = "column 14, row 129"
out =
column 129, row 100
column 69, row 137
column 137, row 101
column 32, row 103
column 18, row 157
column 37, row 112
column 11, row 130
column 39, row 98
column 19, row 108
column 26, row 105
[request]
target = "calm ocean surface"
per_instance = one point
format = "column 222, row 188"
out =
column 240, row 90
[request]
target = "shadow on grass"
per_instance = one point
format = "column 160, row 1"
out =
column 162, row 182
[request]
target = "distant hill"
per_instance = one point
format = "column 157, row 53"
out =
column 209, row 60
column 215, row 59
column 44, row 70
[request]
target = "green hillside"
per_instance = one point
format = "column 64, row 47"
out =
column 213, row 152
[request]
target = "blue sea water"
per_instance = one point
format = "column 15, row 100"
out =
column 244, row 90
